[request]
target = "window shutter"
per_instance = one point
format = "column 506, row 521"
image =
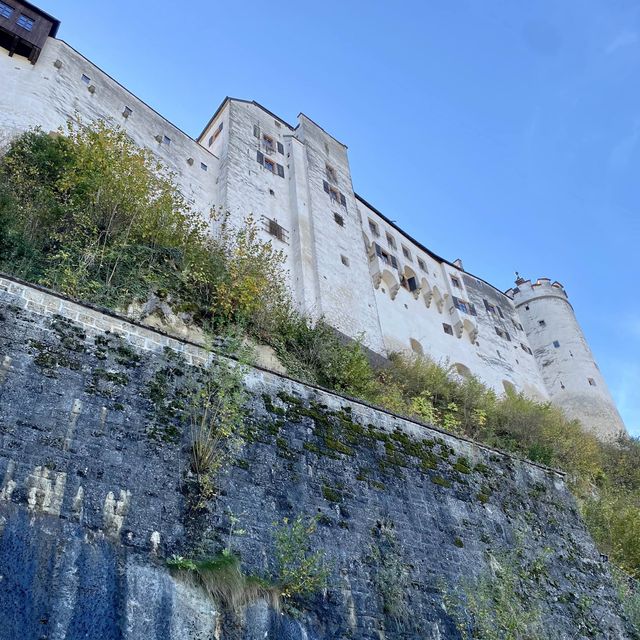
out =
column 260, row 157
column 280, row 148
column 280, row 170
column 343, row 200
column 326, row 185
column 456, row 302
column 256, row 130
column 394, row 262
column 472, row 308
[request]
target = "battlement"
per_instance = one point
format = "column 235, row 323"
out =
column 525, row 290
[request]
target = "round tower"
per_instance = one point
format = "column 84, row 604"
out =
column 569, row 371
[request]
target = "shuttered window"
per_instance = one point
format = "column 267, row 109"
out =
column 280, row 169
column 280, row 148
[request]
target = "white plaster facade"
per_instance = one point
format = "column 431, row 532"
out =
column 346, row 261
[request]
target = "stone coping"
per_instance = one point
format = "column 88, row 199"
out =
column 94, row 318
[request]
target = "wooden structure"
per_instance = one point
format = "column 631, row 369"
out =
column 24, row 28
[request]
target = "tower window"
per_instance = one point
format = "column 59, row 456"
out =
column 592, row 382
column 556, row 344
column 339, row 219
column 526, row 349
column 5, row 10
column 489, row 307
column 406, row 253
column 527, row 307
column 422, row 265
column 269, row 165
column 447, row 328
column 25, row 22
column 373, row 227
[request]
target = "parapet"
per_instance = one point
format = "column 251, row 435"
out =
column 543, row 287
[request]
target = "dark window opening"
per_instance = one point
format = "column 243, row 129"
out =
column 410, row 284
column 592, row 382
column 280, row 148
column 373, row 227
column 422, row 265
column 345, row 260
column 166, row 140
column 85, row 78
column 126, row 112
column 339, row 219
column 203, row 166
column 269, row 146
column 447, row 328
column 526, row 349
column 556, row 344
column 406, row 253
column 542, row 323
column 391, row 241
column 385, row 256
column 455, row 282
column 332, row 176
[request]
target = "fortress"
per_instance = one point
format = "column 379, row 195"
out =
column 347, row 261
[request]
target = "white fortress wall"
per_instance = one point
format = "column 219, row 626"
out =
column 63, row 85
column 346, row 261
column 445, row 315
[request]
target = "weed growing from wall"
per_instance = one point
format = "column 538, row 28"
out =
column 300, row 570
column 216, row 421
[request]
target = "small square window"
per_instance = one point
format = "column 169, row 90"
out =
column 345, row 260
column 391, row 241
column 272, row 192
column 406, row 253
column 542, row 323
column 455, row 282
column 85, row 78
column 422, row 265
column 374, row 228
column 126, row 112
column 556, row 344
column 592, row 382
column 25, row 22
column 339, row 219
column 447, row 328
column 203, row 166
column 5, row 10
column 166, row 140
column 527, row 307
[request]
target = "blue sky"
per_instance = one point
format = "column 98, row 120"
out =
column 504, row 133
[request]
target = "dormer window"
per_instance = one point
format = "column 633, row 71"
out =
column 25, row 22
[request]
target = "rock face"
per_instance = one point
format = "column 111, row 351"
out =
column 96, row 493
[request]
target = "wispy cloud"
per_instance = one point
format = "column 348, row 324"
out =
column 623, row 40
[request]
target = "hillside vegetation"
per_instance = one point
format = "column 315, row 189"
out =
column 91, row 215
